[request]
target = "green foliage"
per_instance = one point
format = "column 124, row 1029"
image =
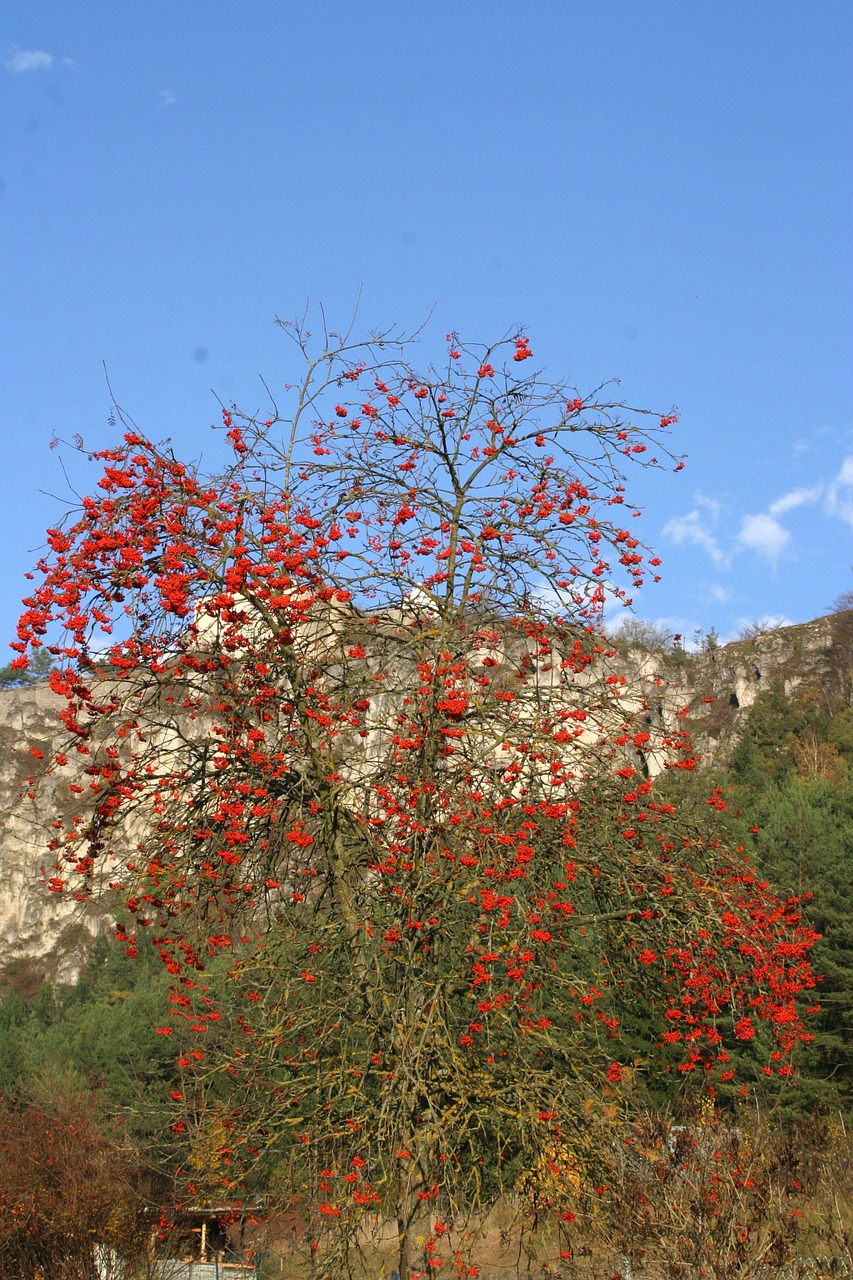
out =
column 805, row 843
column 709, row 641
column 40, row 666
column 763, row 751
column 790, row 785
column 101, row 1031
column 839, row 733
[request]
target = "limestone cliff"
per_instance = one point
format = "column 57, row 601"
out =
column 47, row 935
column 42, row 934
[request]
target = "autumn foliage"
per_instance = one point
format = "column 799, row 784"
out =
column 341, row 718
column 68, row 1183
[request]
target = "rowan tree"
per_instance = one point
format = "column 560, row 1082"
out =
column 342, row 713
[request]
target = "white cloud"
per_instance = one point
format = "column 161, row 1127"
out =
column 20, row 60
column 718, row 593
column 839, row 495
column 798, row 497
column 690, row 528
column 711, row 504
column 167, row 98
column 764, row 535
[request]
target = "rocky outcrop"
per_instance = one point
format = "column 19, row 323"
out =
column 808, row 663
column 42, row 934
column 47, row 935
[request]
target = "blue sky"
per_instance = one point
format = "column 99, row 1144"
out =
column 658, row 192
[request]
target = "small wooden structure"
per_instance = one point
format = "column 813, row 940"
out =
column 209, row 1241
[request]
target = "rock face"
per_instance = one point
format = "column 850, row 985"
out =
column 42, row 934
column 808, row 663
column 45, row 935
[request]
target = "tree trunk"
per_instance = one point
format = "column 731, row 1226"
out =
column 413, row 1218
